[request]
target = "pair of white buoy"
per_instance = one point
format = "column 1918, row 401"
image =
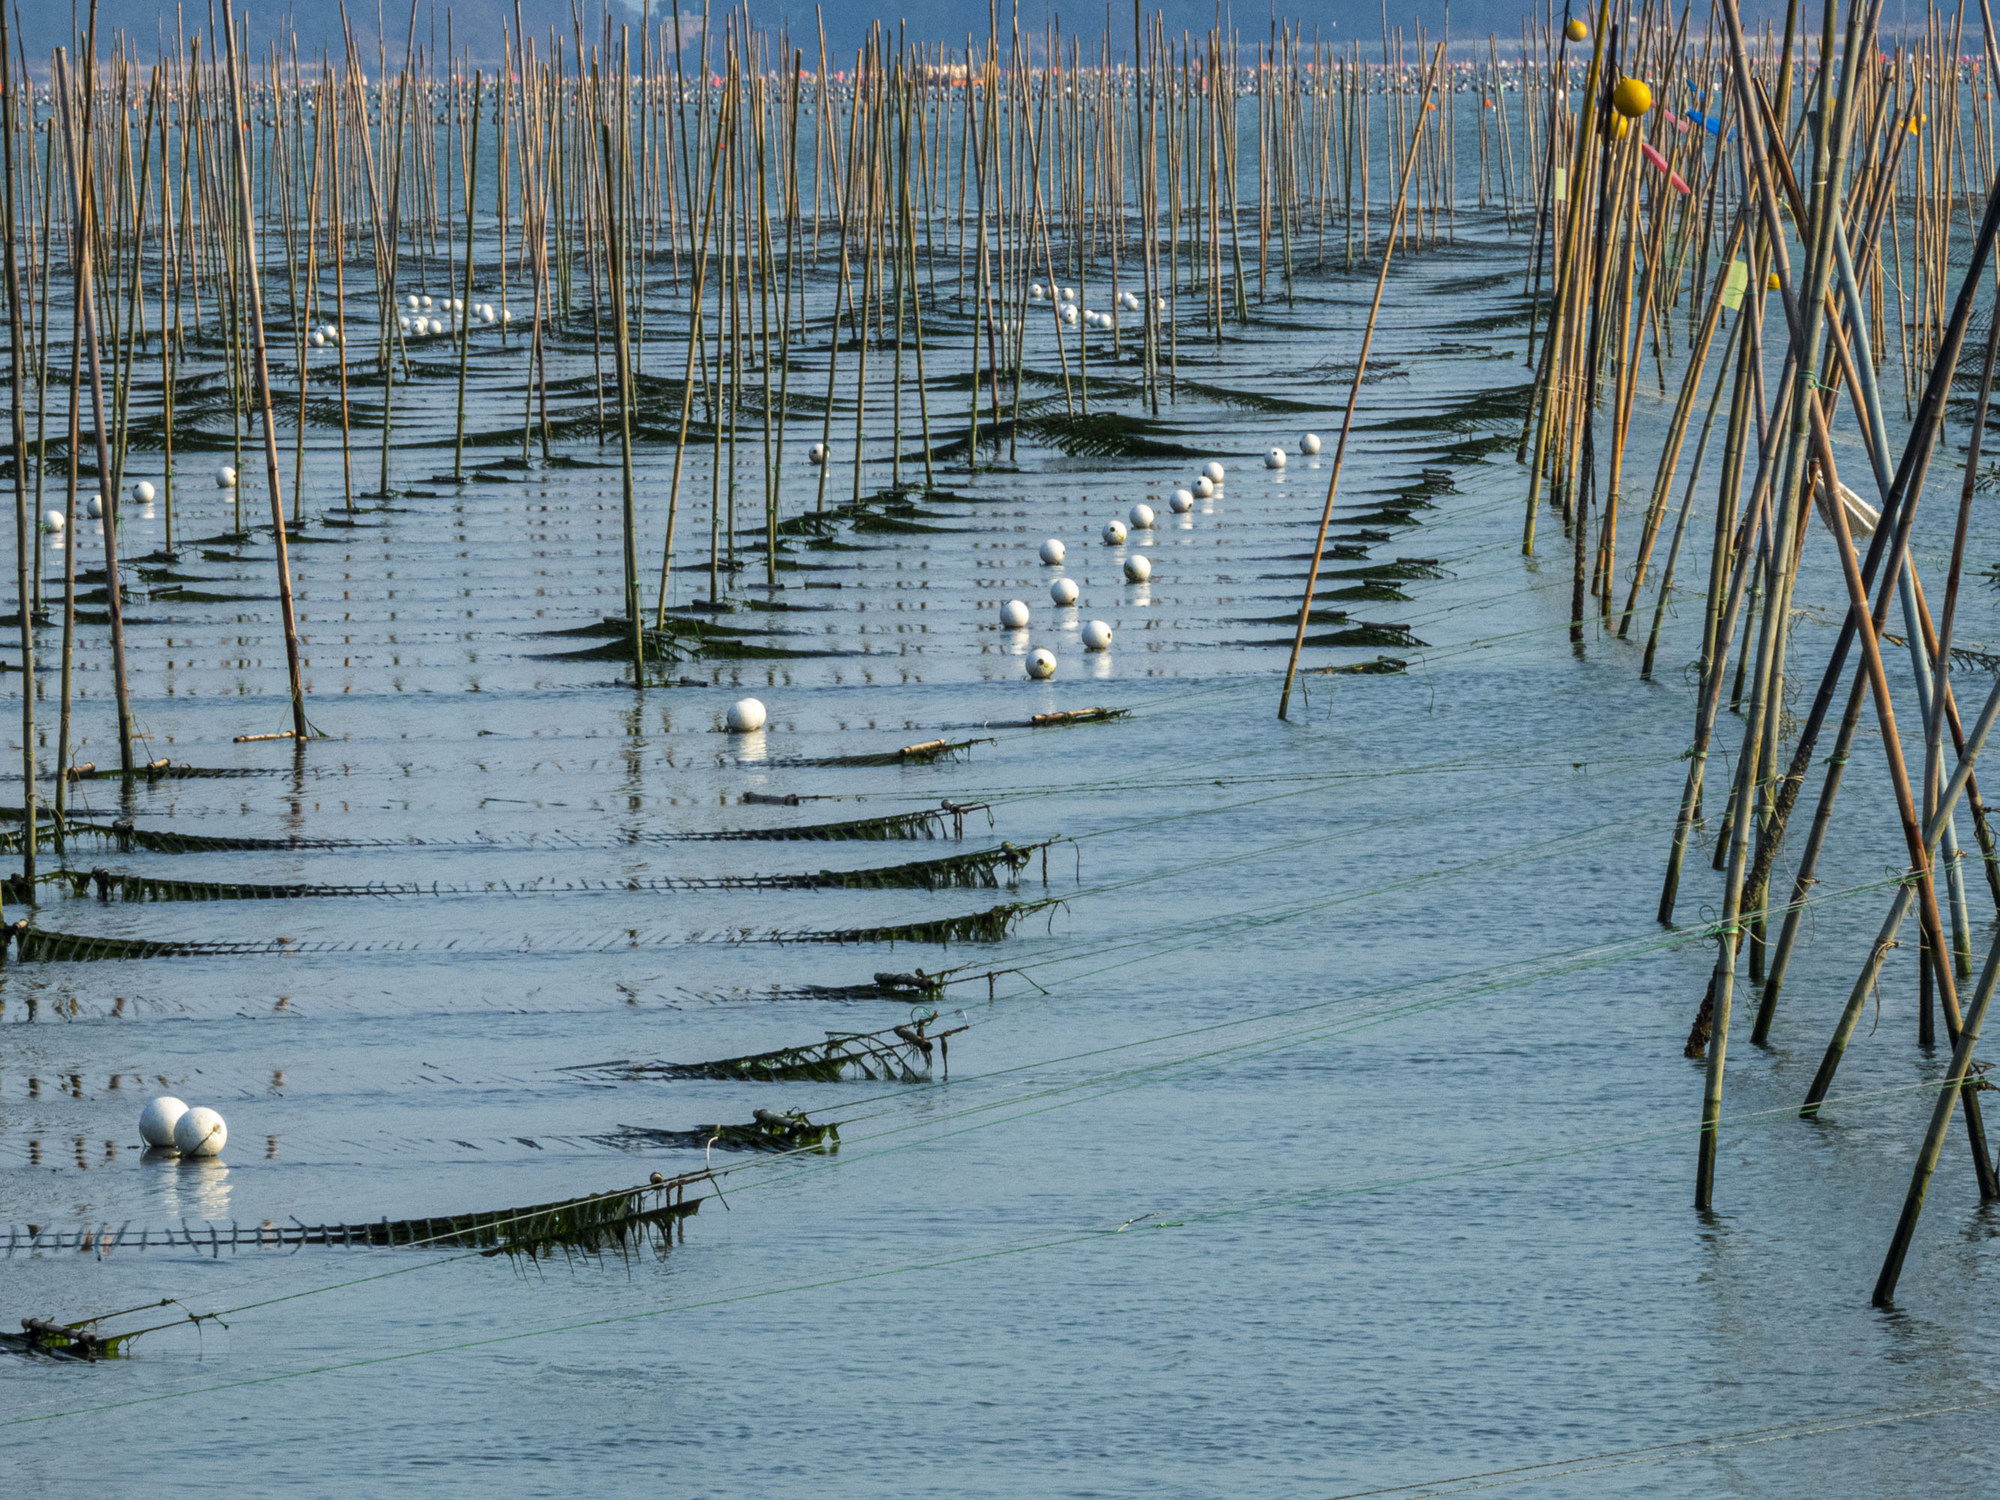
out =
column 166, row 1121
column 746, row 716
column 1129, row 301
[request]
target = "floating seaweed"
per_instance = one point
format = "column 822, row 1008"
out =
column 767, row 1131
column 927, row 753
column 616, row 1220
column 927, row 823
column 901, row 1054
column 989, row 926
column 1062, row 718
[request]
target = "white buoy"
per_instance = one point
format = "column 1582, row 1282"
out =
column 1041, row 664
column 1014, row 615
column 1053, row 552
column 414, row 303
column 1141, row 517
column 52, row 520
column 458, row 304
column 1182, row 502
column 403, row 325
column 1203, row 487
column 1069, row 316
column 817, row 454
column 746, row 716
column 1069, row 294
column 1212, row 471
column 1275, row 459
column 200, row 1132
column 225, row 478
column 1309, row 444
column 1063, row 591
column 143, row 492
column 1035, row 292
column 507, row 316
column 94, row 507
column 1159, row 304
column 1096, row 636
column 426, row 302
column 318, row 339
column 1137, row 568
column 158, row 1118
column 1114, row 533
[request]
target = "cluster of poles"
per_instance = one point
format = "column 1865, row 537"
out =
column 1819, row 180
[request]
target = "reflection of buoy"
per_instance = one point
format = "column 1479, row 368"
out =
column 1182, row 502
column 1309, row 444
column 94, row 507
column 817, row 454
column 158, row 1118
column 200, row 1132
column 1014, row 615
column 746, row 716
column 1141, row 517
column 1212, row 471
column 52, row 520
column 1275, row 459
column 1063, row 591
column 1204, row 487
column 225, row 478
column 1137, row 569
column 1053, row 552
column 1114, row 533
column 1041, row 664
column 1096, row 636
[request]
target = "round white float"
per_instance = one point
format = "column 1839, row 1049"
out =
column 1014, row 615
column 1035, row 292
column 225, row 478
column 1069, row 316
column 200, row 1132
column 817, row 454
column 143, row 492
column 1275, row 459
column 1212, row 471
column 1063, row 591
column 1182, row 502
column 94, row 507
column 52, row 520
column 1069, row 294
column 1309, row 444
column 414, row 303
column 1097, row 636
column 318, row 339
column 158, row 1118
column 1137, row 569
column 746, row 716
column 1114, row 533
column 1203, row 488
column 426, row 302
column 1041, row 664
column 1141, row 517
column 1053, row 552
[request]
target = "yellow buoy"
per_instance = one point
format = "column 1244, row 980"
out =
column 1631, row 98
column 1619, row 125
column 1771, row 281
column 1576, row 31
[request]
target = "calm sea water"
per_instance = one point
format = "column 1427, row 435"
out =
column 1332, row 1133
